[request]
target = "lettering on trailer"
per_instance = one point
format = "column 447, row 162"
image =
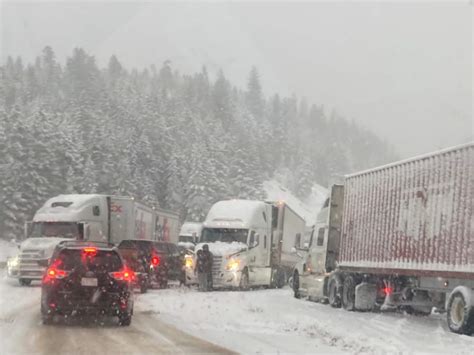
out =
column 115, row 208
column 162, row 229
column 140, row 227
column 426, row 213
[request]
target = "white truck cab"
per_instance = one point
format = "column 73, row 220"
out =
column 248, row 240
column 189, row 234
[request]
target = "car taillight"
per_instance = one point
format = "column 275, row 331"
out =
column 90, row 251
column 55, row 273
column 123, row 275
column 155, row 261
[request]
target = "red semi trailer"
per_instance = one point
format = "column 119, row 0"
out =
column 401, row 235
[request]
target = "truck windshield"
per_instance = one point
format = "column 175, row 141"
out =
column 56, row 229
column 225, row 235
column 186, row 239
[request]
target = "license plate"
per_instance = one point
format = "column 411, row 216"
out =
column 88, row 281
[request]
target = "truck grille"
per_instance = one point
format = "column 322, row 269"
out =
column 216, row 266
column 28, row 262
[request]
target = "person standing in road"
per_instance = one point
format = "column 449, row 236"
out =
column 204, row 268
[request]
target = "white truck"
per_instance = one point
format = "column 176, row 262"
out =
column 189, row 234
column 87, row 217
column 253, row 243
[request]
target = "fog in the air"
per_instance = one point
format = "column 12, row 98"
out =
column 403, row 70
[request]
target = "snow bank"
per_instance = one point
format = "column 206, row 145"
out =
column 307, row 208
column 272, row 321
column 7, row 250
column 222, row 249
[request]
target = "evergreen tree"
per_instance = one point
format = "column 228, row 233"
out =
column 254, row 96
column 177, row 141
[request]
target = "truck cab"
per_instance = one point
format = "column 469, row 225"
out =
column 310, row 275
column 189, row 235
column 239, row 235
column 64, row 217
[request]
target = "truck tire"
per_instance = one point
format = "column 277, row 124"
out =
column 280, row 278
column 24, row 282
column 460, row 314
column 244, row 281
column 348, row 293
column 296, row 285
column 334, row 293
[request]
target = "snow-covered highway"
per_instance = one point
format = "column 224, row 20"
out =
column 181, row 320
column 21, row 331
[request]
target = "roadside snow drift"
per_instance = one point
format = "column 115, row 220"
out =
column 272, row 321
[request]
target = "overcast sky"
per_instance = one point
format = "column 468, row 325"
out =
column 405, row 70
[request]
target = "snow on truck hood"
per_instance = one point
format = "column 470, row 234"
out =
column 41, row 243
column 222, row 249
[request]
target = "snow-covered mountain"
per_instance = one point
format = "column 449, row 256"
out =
column 307, row 208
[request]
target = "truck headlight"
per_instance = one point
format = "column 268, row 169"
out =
column 188, row 262
column 13, row 262
column 233, row 265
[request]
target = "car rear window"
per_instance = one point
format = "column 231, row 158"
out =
column 173, row 248
column 161, row 247
column 142, row 245
column 103, row 260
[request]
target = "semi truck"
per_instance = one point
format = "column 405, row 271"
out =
column 254, row 243
column 189, row 234
column 88, row 217
column 398, row 236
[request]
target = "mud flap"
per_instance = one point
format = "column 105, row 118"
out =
column 365, row 296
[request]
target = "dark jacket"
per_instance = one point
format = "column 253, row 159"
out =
column 204, row 261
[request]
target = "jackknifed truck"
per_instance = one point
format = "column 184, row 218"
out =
column 398, row 236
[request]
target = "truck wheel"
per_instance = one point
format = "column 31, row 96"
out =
column 244, row 281
column 348, row 293
column 296, row 285
column 280, row 278
column 25, row 282
column 334, row 293
column 460, row 314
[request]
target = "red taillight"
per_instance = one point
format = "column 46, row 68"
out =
column 124, row 275
column 54, row 273
column 90, row 251
column 155, row 261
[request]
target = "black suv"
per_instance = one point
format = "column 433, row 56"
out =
column 87, row 278
column 165, row 260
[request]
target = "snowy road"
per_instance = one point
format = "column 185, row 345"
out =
column 186, row 321
column 21, row 331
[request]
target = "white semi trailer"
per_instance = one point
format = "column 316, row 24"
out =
column 88, row 217
column 253, row 243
